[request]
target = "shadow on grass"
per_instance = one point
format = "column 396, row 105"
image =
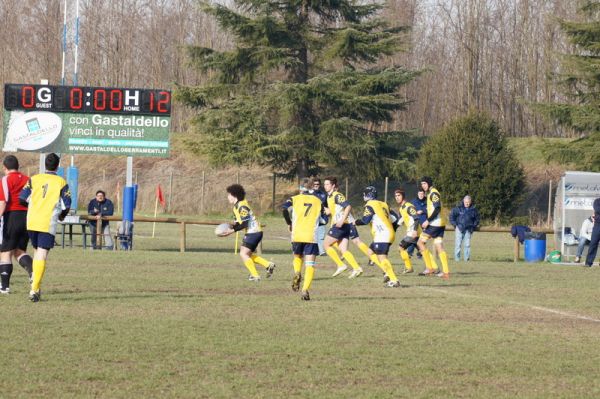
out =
column 216, row 250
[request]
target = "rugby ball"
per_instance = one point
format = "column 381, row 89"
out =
column 222, row 229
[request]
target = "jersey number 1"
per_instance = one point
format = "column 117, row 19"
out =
column 44, row 190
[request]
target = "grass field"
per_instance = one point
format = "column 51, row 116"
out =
column 158, row 323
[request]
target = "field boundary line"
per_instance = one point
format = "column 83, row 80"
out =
column 527, row 305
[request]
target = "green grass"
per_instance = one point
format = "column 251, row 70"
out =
column 158, row 323
column 530, row 150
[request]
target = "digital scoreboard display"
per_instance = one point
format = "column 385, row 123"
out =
column 76, row 99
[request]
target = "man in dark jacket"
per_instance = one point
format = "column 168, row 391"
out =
column 593, row 248
column 465, row 218
column 98, row 207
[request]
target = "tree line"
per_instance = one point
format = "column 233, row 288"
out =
column 490, row 55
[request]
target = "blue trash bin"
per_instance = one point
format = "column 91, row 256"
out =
column 535, row 247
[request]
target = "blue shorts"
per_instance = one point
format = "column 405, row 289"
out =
column 433, row 232
column 252, row 240
column 41, row 240
column 305, row 248
column 346, row 231
column 380, row 248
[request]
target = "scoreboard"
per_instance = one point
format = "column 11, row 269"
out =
column 85, row 99
column 86, row 120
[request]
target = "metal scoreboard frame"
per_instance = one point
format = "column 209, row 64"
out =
column 86, row 120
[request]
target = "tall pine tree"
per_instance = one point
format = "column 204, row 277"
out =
column 580, row 80
column 301, row 89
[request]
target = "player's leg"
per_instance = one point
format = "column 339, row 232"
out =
column 246, row 255
column 6, row 269
column 366, row 250
column 331, row 239
column 310, row 254
column 385, row 262
column 43, row 243
column 298, row 252
column 445, row 272
column 349, row 233
column 422, row 245
column 406, row 243
column 25, row 260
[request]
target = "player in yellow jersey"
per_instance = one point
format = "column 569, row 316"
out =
column 409, row 217
column 342, row 230
column 48, row 200
column 246, row 220
column 433, row 228
column 377, row 214
column 306, row 209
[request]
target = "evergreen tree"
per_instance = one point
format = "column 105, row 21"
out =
column 580, row 80
column 300, row 88
column 470, row 156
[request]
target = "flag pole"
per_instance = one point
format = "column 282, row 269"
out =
column 155, row 213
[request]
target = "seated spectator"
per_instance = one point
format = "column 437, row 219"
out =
column 99, row 207
column 465, row 219
column 585, row 235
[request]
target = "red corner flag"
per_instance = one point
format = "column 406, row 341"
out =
column 160, row 196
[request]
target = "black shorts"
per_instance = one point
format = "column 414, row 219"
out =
column 408, row 241
column 14, row 231
column 305, row 248
column 346, row 231
column 252, row 240
column 380, row 248
column 41, row 240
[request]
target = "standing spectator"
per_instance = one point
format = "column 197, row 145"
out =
column 591, row 255
column 99, row 207
column 324, row 219
column 465, row 218
column 585, row 236
column 14, row 217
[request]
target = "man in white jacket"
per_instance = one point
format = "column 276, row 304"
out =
column 585, row 235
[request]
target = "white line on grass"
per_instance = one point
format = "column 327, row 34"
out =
column 534, row 307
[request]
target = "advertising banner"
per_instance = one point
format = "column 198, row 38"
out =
column 86, row 133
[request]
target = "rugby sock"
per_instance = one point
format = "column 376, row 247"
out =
column 375, row 260
column 434, row 264
column 309, row 272
column 444, row 259
column 364, row 249
column 389, row 269
column 39, row 267
column 261, row 261
column 27, row 263
column 6, row 270
column 333, row 254
column 351, row 260
column 427, row 258
column 249, row 263
column 406, row 259
column 297, row 265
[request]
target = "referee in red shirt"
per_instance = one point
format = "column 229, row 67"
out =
column 14, row 231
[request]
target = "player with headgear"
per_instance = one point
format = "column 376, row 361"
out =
column 410, row 218
column 377, row 214
column 433, row 228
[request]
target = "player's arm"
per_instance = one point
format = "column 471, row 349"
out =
column 65, row 202
column 25, row 194
column 367, row 216
column 286, row 212
column 395, row 218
